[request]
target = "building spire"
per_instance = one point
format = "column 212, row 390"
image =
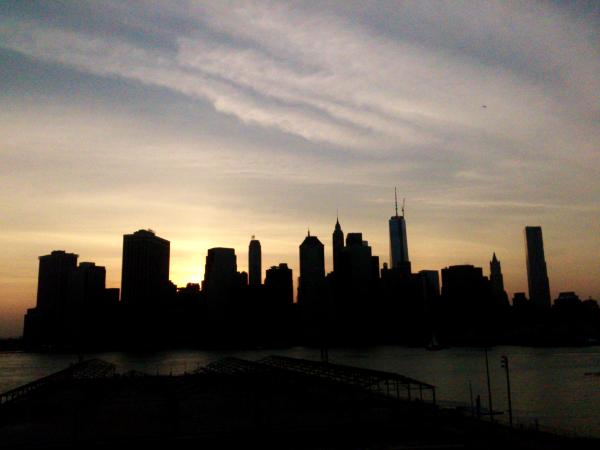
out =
column 396, row 200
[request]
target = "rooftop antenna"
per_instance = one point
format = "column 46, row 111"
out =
column 396, row 200
column 403, row 206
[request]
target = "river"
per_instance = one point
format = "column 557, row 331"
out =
column 549, row 386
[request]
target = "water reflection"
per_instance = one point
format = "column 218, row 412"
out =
column 547, row 384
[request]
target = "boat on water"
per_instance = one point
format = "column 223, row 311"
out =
column 434, row 345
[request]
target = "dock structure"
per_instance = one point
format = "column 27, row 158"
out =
column 387, row 383
column 232, row 366
column 89, row 369
column 275, row 402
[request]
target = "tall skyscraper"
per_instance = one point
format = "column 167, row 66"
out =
column 145, row 271
column 87, row 284
column 220, row 276
column 254, row 263
column 496, row 277
column 53, row 279
column 398, row 241
column 537, row 275
column 44, row 324
column 88, row 316
column 338, row 246
column 279, row 284
column 357, row 262
column 312, row 270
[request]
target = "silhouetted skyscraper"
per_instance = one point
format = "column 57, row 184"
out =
column 220, row 276
column 87, row 284
column 312, row 270
column 53, row 279
column 398, row 241
column 145, row 271
column 338, row 245
column 357, row 261
column 279, row 284
column 91, row 307
column 254, row 263
column 537, row 275
column 468, row 307
column 44, row 324
column 496, row 278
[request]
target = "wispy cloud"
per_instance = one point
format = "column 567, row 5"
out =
column 188, row 115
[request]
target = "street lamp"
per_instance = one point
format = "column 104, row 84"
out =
column 489, row 387
column 504, row 364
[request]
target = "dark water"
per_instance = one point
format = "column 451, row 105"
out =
column 548, row 385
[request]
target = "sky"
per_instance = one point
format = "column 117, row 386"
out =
column 210, row 122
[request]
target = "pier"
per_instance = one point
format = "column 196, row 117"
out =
column 275, row 402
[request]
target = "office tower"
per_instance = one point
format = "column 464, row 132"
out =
column 87, row 285
column 463, row 282
column 89, row 305
column 398, row 241
column 338, row 245
column 496, row 278
column 220, row 276
column 44, row 323
column 254, row 263
column 537, row 276
column 312, row 270
column 431, row 282
column 497, row 281
column 145, row 271
column 468, row 310
column 53, row 280
column 520, row 300
column 279, row 284
column 357, row 260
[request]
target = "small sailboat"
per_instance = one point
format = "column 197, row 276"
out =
column 434, row 345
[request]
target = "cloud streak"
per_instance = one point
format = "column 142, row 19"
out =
column 185, row 116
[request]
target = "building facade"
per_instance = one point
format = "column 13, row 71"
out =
column 145, row 270
column 312, row 270
column 254, row 263
column 537, row 275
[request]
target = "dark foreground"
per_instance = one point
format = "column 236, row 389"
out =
column 237, row 403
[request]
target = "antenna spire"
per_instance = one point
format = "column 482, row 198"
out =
column 403, row 206
column 396, row 200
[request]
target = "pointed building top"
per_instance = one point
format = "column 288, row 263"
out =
column 494, row 257
column 396, row 200
column 309, row 232
column 337, row 223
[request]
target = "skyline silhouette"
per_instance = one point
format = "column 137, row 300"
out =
column 146, row 282
column 360, row 301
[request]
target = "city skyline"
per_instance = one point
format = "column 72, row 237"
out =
column 294, row 264
column 213, row 122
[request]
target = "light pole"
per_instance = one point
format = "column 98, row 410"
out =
column 489, row 387
column 504, row 364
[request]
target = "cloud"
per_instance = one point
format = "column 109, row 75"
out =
column 321, row 77
column 186, row 116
